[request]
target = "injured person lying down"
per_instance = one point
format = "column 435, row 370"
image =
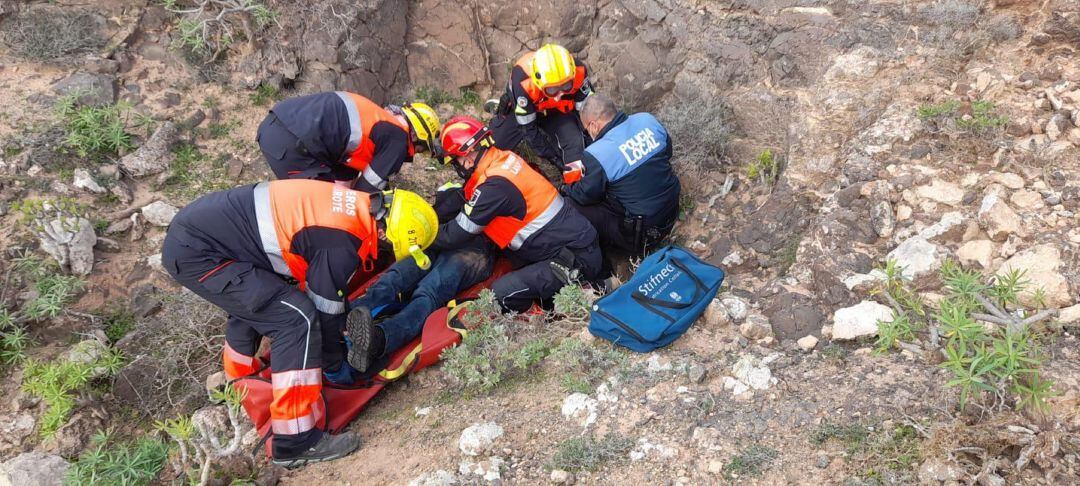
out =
column 420, row 291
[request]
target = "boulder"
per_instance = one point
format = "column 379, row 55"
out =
column 979, row 252
column 1041, row 264
column 479, row 438
column 859, row 320
column 159, row 213
column 34, row 468
column 70, row 240
column 89, row 88
column 916, row 256
column 941, row 192
column 998, row 219
column 716, row 314
column 154, row 156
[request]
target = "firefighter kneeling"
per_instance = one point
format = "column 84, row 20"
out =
column 237, row 248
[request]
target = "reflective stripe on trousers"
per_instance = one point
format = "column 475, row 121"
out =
column 238, row 364
column 537, row 224
column 355, row 129
column 264, row 217
column 297, row 405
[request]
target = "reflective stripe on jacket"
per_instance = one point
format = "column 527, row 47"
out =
column 542, row 200
column 284, row 208
column 363, row 115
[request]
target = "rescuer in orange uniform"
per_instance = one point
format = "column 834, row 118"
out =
column 340, row 136
column 514, row 206
column 540, row 106
column 240, row 248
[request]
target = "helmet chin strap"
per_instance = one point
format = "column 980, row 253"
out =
column 467, row 173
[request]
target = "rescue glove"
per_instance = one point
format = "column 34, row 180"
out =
column 563, row 267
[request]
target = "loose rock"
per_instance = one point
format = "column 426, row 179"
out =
column 34, row 468
column 998, row 219
column 83, row 180
column 478, row 438
column 807, row 343
column 916, row 256
column 756, row 327
column 942, row 192
column 859, row 320
column 883, row 219
column 91, row 89
column 159, row 213
column 70, row 240
column 1041, row 264
column 979, row 252
column 154, row 156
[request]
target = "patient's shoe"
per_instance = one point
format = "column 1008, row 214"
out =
column 367, row 339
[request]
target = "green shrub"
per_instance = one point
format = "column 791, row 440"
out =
column 131, row 463
column 265, row 95
column 58, row 384
column 436, row 96
column 13, row 340
column 573, row 303
column 750, row 462
column 983, row 119
column 487, row 356
column 587, row 453
column 765, row 168
column 118, row 323
column 586, row 365
column 1000, row 362
column 95, row 132
column 873, row 449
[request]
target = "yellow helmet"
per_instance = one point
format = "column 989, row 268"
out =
column 411, row 225
column 424, row 122
column 552, row 66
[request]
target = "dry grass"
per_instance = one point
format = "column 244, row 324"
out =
column 48, row 34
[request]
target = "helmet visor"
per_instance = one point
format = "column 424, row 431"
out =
column 561, row 88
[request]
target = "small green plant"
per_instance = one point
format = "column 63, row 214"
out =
column 118, row 323
column 1001, row 361
column 219, row 130
column 853, row 436
column 873, row 448
column 750, row 462
column 207, row 30
column 573, row 303
column 930, row 111
column 487, row 356
column 59, row 382
column 765, row 168
column 265, row 94
column 95, row 132
column 13, row 340
column 54, row 292
column 585, row 365
column 687, row 204
column 984, row 118
column 436, row 96
column 128, row 463
column 197, row 452
column 586, row 453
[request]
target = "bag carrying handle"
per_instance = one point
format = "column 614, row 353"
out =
column 651, row 301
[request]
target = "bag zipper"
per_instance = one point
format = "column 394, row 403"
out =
column 629, row 330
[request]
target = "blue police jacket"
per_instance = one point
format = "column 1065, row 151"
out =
column 629, row 166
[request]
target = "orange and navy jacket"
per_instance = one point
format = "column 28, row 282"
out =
column 342, row 128
column 315, row 232
column 530, row 101
column 516, row 208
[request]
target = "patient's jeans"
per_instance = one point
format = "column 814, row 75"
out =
column 451, row 272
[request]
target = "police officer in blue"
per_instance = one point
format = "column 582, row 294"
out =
column 624, row 184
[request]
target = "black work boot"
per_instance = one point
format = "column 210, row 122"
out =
column 361, row 329
column 328, row 448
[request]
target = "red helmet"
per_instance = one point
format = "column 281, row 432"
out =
column 460, row 135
